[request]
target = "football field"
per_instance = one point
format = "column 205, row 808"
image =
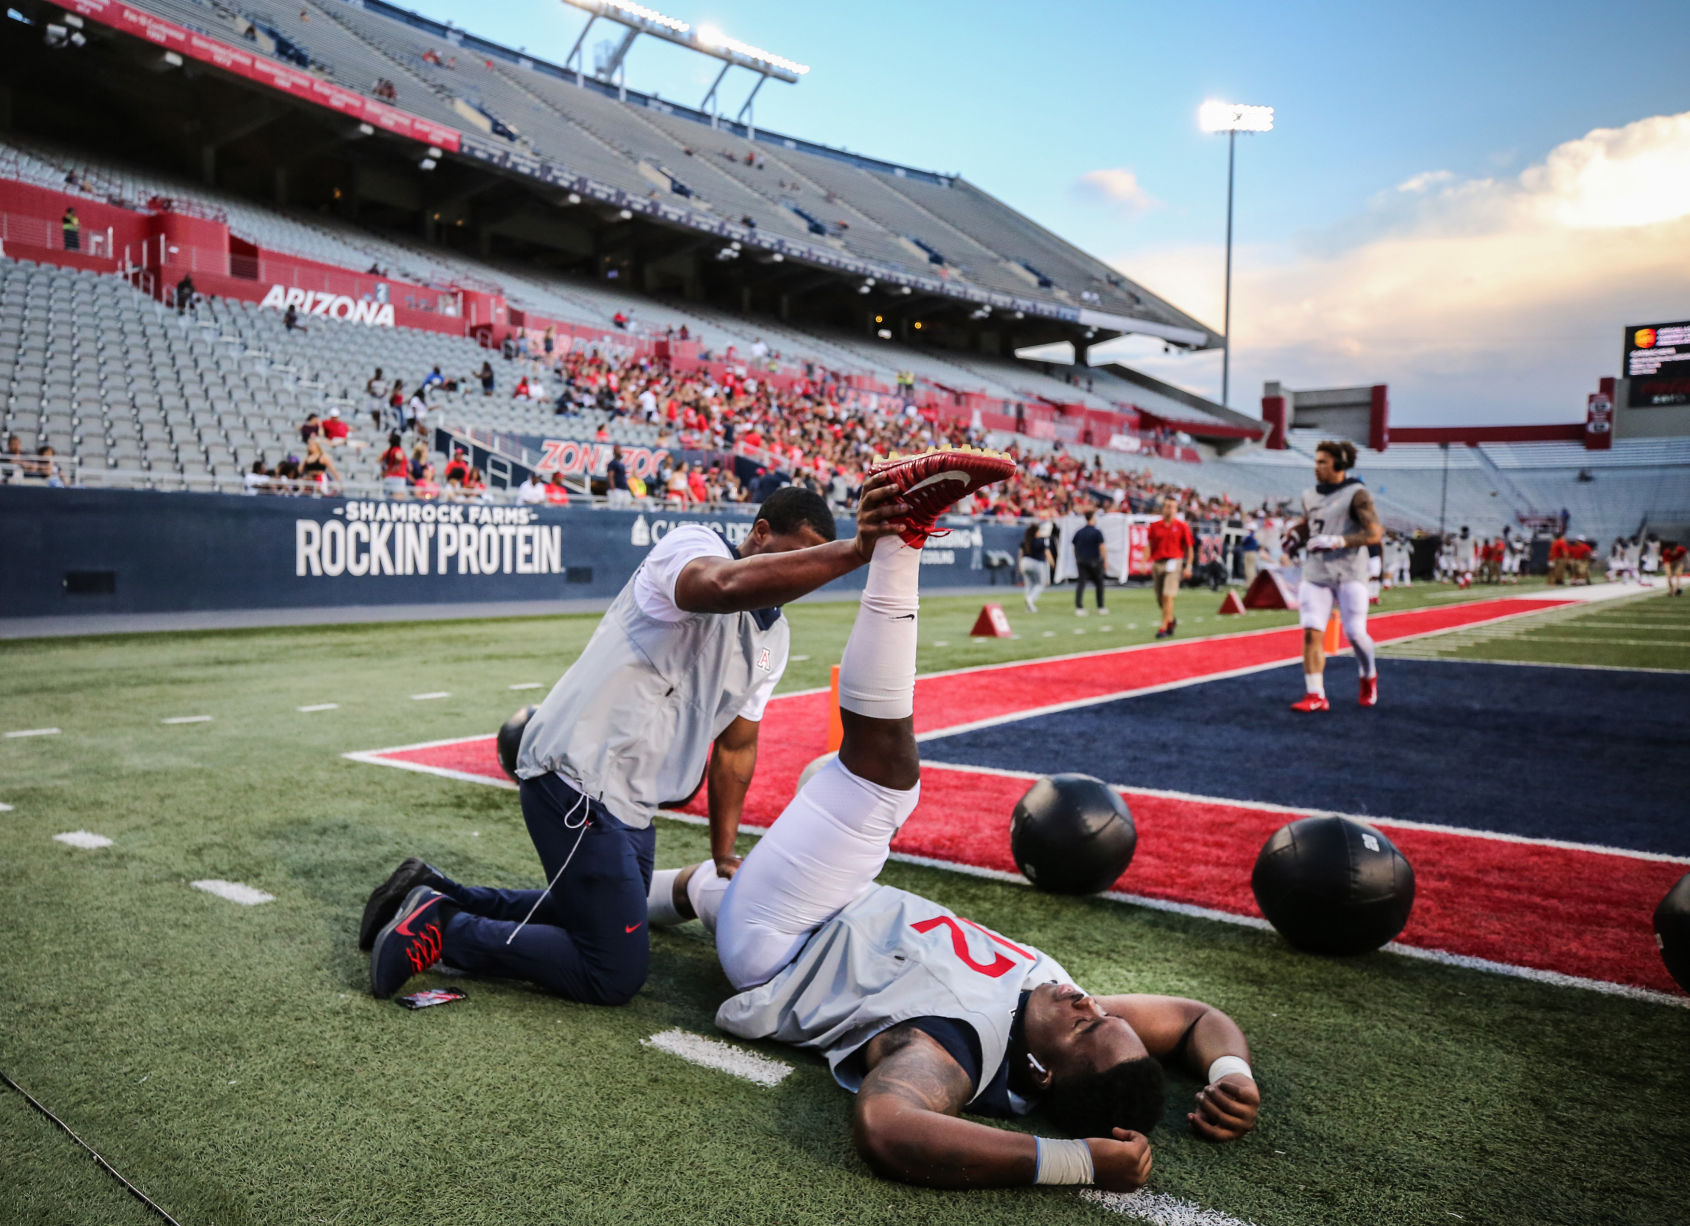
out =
column 1518, row 1062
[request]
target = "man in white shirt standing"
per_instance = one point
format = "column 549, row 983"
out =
column 682, row 663
column 531, row 492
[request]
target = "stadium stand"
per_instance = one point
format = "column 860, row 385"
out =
column 190, row 401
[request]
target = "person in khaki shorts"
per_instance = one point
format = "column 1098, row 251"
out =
column 1172, row 549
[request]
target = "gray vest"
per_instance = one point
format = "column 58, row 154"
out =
column 888, row 957
column 632, row 720
column 1331, row 515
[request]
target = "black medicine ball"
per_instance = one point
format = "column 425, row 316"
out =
column 510, row 739
column 1672, row 931
column 1072, row 834
column 1333, row 886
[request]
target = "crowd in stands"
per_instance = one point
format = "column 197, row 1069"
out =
column 816, row 430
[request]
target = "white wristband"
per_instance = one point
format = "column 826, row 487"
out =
column 1062, row 1161
column 1229, row 1064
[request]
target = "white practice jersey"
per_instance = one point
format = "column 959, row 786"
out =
column 888, row 957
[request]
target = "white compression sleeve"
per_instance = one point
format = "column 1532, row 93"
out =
column 877, row 673
column 660, row 909
column 704, row 891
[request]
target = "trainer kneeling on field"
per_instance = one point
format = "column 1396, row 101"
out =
column 925, row 1014
column 686, row 656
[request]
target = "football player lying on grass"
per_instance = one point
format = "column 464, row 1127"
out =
column 921, row 1012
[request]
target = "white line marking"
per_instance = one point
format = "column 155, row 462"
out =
column 431, row 694
column 796, row 659
column 187, row 719
column 33, row 732
column 5, row 808
column 1604, row 668
column 373, row 758
column 234, row 891
column 1399, row 823
column 1159, row 1208
column 941, row 642
column 723, row 1057
column 1049, row 634
column 529, row 685
column 321, row 706
column 82, row 839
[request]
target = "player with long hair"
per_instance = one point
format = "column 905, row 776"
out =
column 1341, row 522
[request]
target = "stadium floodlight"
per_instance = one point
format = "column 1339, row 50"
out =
column 712, row 39
column 1234, row 117
column 1231, row 118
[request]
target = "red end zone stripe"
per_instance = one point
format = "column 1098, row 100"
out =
column 1583, row 913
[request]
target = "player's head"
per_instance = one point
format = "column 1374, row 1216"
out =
column 790, row 518
column 1092, row 1072
column 1333, row 458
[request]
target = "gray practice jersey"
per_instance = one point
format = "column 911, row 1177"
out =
column 889, row 957
column 632, row 720
column 1330, row 514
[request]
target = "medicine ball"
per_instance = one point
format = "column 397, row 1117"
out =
column 1072, row 834
column 1672, row 931
column 814, row 766
column 1333, row 886
column 510, row 739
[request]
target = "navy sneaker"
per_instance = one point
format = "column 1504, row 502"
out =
column 386, row 897
column 410, row 943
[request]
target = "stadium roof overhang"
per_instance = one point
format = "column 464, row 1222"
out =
column 417, row 139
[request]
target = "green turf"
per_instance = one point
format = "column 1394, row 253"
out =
column 1641, row 630
column 230, row 1061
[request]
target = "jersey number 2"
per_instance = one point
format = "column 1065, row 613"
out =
column 959, row 945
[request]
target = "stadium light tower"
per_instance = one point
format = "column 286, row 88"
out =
column 636, row 19
column 1231, row 118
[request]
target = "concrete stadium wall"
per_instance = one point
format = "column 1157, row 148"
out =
column 119, row 551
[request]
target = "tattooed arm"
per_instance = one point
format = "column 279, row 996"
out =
column 1367, row 515
column 906, row 1126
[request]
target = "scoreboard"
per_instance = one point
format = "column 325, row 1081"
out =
column 1657, row 362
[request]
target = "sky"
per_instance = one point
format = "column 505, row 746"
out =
column 1465, row 201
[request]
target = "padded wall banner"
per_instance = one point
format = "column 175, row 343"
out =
column 127, row 551
column 263, row 70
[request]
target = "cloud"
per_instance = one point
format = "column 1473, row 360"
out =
column 1478, row 300
column 1118, row 187
column 1424, row 180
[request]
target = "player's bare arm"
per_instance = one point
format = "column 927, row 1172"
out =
column 1197, row 1035
column 733, row 760
column 907, row 1126
column 1366, row 514
column 774, row 571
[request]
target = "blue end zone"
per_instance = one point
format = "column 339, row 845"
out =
column 1585, row 756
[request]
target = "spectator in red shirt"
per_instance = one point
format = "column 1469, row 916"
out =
column 394, row 467
column 335, row 429
column 458, row 467
column 425, row 488
column 557, row 493
column 1171, row 551
column 696, row 486
column 1672, row 557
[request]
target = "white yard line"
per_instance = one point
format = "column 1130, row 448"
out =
column 82, row 839
column 1159, row 1208
column 431, row 694
column 529, row 685
column 5, row 808
column 32, row 732
column 321, row 706
column 187, row 719
column 723, row 1057
column 234, row 891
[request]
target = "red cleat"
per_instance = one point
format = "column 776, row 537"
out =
column 934, row 481
column 1311, row 702
column 1370, row 691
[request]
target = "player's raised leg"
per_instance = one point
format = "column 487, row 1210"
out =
column 831, row 842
